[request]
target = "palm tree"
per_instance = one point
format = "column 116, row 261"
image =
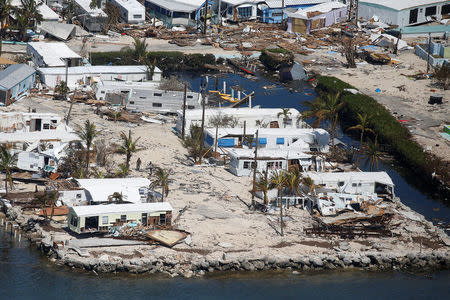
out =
column 309, row 183
column 162, row 180
column 249, row 140
column 29, row 15
column 262, row 184
column 128, row 147
column 314, row 107
column 87, row 134
column 123, row 171
column 363, row 126
column 278, row 181
column 68, row 11
column 5, row 10
column 285, row 113
column 330, row 111
column 140, row 49
column 7, row 161
column 372, row 154
column 293, row 180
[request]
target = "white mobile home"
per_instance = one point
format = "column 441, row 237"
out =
column 52, row 55
column 106, row 190
column 354, row 182
column 254, row 117
column 300, row 139
column 242, row 160
column 403, row 12
column 100, row 218
column 132, row 12
column 51, row 77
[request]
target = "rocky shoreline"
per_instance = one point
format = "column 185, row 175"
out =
column 195, row 264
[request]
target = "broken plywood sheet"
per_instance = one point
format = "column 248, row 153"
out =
column 167, row 237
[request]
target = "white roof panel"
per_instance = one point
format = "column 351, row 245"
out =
column 179, row 5
column 401, row 4
column 322, row 177
column 53, row 54
column 265, row 131
column 237, row 112
column 94, row 70
column 93, row 210
column 279, row 3
column 268, row 153
column 323, row 8
column 101, row 189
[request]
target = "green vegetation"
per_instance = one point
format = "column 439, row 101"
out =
column 387, row 128
column 169, row 61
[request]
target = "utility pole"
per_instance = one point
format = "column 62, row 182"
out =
column 429, row 52
column 281, row 214
column 220, row 13
column 282, row 12
column 184, row 112
column 205, row 16
column 203, row 117
column 254, row 170
column 356, row 12
column 243, row 137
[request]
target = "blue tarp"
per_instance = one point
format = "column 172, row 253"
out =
column 225, row 143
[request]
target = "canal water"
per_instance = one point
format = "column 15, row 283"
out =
column 26, row 274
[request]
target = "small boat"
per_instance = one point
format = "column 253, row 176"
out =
column 151, row 120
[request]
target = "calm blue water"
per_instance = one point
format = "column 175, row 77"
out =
column 25, row 274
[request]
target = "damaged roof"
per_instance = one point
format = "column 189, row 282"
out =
column 53, row 54
column 400, row 4
column 178, row 5
column 58, row 30
column 321, row 177
column 14, row 74
column 94, row 210
column 279, row 3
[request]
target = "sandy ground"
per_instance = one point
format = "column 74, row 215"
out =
column 425, row 121
column 217, row 216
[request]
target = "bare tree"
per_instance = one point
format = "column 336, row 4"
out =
column 348, row 48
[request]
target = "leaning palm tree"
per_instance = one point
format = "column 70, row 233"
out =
column 87, row 134
column 278, row 181
column 362, row 126
column 128, row 146
column 372, row 154
column 7, row 162
column 140, row 49
column 333, row 105
column 162, row 180
column 312, row 111
column 285, row 113
column 6, row 9
column 262, row 185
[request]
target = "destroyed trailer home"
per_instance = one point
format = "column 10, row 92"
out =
column 131, row 11
column 39, row 139
column 175, row 12
column 316, row 17
column 145, row 96
column 354, row 182
column 330, row 204
column 57, row 30
column 274, row 11
column 253, row 117
column 241, row 10
column 242, row 161
column 87, row 75
column 52, row 55
column 15, row 83
column 91, row 18
column 101, row 218
column 403, row 12
column 105, row 191
column 299, row 139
